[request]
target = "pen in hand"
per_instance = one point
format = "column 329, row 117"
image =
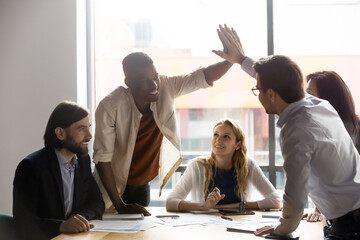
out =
column 226, row 218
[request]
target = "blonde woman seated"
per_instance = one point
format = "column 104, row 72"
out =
column 225, row 179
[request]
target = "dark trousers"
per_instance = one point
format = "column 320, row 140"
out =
column 345, row 230
column 137, row 194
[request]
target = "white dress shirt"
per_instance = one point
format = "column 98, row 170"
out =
column 320, row 160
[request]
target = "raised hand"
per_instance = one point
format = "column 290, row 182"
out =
column 233, row 51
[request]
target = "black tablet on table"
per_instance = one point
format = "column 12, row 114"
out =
column 233, row 212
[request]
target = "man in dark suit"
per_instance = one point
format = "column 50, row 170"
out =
column 54, row 190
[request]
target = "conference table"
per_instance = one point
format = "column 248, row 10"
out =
column 306, row 231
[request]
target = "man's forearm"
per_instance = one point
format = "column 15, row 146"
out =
column 289, row 220
column 216, row 71
column 107, row 177
column 247, row 66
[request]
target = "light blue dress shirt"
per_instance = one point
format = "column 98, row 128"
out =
column 320, row 160
column 67, row 170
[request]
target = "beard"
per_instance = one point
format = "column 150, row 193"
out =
column 75, row 147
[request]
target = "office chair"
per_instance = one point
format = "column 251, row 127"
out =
column 6, row 226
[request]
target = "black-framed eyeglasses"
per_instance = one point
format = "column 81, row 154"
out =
column 256, row 91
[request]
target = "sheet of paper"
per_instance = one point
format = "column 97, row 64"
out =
column 130, row 226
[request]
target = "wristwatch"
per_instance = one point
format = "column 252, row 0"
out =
column 242, row 206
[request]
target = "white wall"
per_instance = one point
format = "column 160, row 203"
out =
column 37, row 71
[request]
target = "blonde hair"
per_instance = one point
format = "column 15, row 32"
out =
column 239, row 160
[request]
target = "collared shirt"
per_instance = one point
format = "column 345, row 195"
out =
column 67, row 170
column 117, row 123
column 320, row 160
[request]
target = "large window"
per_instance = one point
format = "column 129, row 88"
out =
column 179, row 36
column 321, row 35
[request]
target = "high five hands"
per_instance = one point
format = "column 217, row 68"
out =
column 233, row 51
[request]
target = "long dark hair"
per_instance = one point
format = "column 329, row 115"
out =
column 65, row 114
column 331, row 87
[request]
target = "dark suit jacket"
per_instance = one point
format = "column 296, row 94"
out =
column 38, row 198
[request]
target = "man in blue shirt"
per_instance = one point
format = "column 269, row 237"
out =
column 54, row 190
column 320, row 159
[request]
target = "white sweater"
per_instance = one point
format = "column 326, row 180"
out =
column 193, row 181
